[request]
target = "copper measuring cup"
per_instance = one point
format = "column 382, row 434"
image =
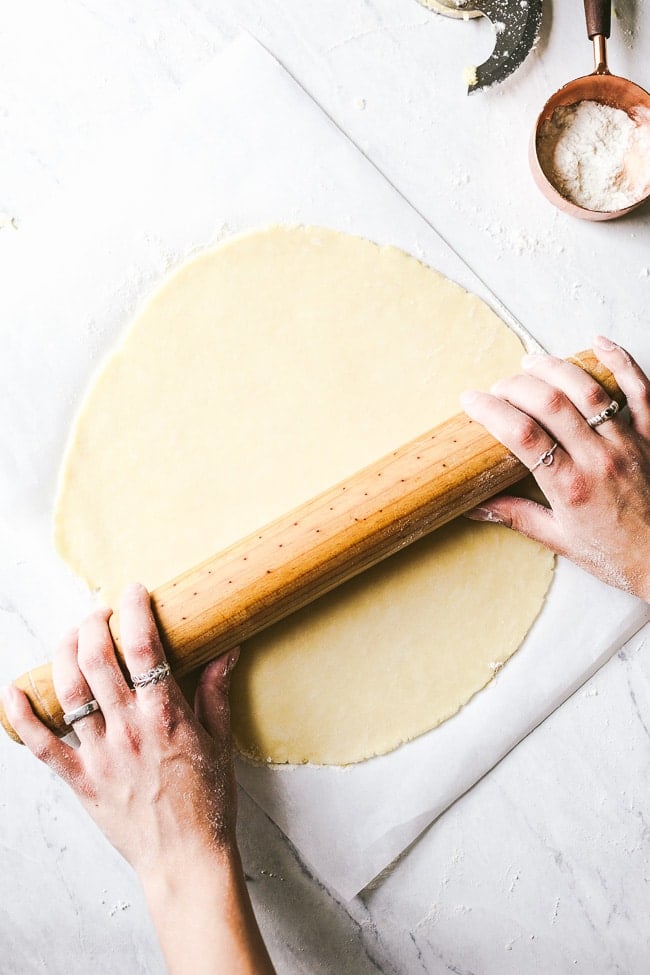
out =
column 601, row 86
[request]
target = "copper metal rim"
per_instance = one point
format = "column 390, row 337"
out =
column 608, row 89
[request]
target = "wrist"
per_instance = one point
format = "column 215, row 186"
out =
column 187, row 866
column 203, row 915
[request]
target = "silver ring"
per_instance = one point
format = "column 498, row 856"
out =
column 545, row 459
column 604, row 415
column 81, row 712
column 153, row 676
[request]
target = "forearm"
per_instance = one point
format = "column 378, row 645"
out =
column 204, row 918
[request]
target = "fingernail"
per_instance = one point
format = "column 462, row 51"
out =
column 231, row 662
column 602, row 342
column 135, row 589
column 532, row 359
column 483, row 514
column 468, row 397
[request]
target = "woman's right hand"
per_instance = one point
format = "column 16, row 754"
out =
column 598, row 478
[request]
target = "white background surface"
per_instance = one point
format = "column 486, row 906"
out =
column 543, row 866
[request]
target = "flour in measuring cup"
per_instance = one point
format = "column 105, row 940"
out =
column 596, row 156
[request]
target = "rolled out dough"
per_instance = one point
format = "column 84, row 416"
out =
column 260, row 373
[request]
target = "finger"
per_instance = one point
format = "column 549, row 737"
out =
column 631, row 378
column 519, row 432
column 41, row 742
column 211, row 701
column 551, row 408
column 141, row 644
column 71, row 686
column 98, row 663
column 577, row 385
column 524, row 516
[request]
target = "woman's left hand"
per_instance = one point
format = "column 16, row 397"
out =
column 158, row 782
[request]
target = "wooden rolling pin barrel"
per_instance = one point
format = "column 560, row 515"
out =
column 326, row 541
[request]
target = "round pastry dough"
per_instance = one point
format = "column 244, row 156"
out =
column 259, row 374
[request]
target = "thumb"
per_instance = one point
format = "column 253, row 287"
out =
column 523, row 516
column 211, row 702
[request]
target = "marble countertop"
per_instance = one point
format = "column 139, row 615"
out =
column 544, row 866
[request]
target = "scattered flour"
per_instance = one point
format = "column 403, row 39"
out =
column 596, row 156
column 119, row 906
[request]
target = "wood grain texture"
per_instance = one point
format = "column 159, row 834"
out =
column 329, row 539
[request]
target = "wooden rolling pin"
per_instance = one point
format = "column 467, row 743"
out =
column 321, row 544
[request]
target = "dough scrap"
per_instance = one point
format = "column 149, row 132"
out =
column 260, row 373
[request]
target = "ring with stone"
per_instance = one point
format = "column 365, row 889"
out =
column 607, row 414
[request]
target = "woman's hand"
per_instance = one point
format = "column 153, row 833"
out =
column 146, row 769
column 158, row 781
column 598, row 478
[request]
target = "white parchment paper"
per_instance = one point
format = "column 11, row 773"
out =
column 243, row 145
